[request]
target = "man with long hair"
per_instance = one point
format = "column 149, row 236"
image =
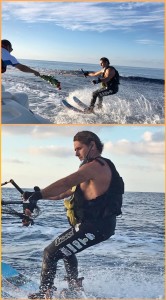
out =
column 108, row 76
column 96, row 190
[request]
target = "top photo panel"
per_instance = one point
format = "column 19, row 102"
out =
column 82, row 62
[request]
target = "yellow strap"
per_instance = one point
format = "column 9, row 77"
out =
column 73, row 188
column 71, row 217
column 69, row 204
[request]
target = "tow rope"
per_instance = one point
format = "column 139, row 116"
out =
column 26, row 220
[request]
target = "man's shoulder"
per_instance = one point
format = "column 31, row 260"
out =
column 111, row 68
column 4, row 52
column 10, row 59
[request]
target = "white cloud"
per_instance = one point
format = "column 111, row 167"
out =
column 87, row 16
column 148, row 42
column 155, row 136
column 151, row 145
column 160, row 167
column 51, row 151
column 15, row 161
column 44, row 132
column 147, row 136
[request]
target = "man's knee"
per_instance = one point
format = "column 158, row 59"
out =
column 46, row 253
column 50, row 251
column 95, row 94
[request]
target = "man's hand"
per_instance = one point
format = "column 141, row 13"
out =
column 86, row 73
column 26, row 195
column 30, row 201
column 96, row 81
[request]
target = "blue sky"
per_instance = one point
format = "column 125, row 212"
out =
column 128, row 33
column 40, row 155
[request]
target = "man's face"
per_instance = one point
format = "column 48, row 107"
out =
column 81, row 150
column 103, row 64
column 10, row 49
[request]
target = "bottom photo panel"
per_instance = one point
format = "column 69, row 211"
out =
column 82, row 212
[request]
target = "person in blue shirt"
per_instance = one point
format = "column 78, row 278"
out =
column 8, row 60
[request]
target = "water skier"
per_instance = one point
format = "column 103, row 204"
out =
column 96, row 191
column 109, row 81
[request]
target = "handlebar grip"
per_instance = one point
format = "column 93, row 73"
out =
column 16, row 186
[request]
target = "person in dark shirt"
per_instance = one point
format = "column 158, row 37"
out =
column 109, row 80
column 96, row 191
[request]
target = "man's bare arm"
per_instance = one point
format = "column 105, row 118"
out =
column 62, row 196
column 95, row 73
column 110, row 73
column 84, row 173
column 26, row 69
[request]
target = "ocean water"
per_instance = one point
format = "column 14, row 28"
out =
column 140, row 99
column 128, row 265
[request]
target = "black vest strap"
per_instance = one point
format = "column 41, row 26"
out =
column 107, row 204
column 115, row 79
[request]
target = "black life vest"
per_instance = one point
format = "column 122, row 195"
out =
column 113, row 82
column 3, row 67
column 109, row 203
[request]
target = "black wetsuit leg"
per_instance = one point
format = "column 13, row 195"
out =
column 73, row 241
column 71, row 266
column 100, row 93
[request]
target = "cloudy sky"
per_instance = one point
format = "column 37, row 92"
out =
column 40, row 155
column 129, row 33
